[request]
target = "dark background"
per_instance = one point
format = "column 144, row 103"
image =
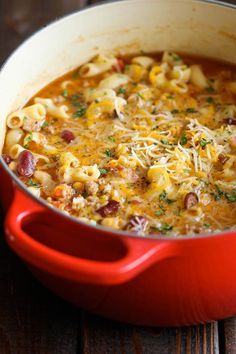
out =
column 32, row 319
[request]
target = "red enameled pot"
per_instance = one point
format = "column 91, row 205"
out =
column 157, row 281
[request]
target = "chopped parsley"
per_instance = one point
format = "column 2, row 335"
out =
column 210, row 100
column 111, row 138
column 163, row 228
column 175, row 57
column 204, row 142
column 45, row 124
column 165, row 142
column 139, row 94
column 210, row 89
column 231, row 197
column 207, row 225
column 108, row 152
column 28, row 139
column 80, row 112
column 84, row 195
column 219, row 194
column 160, row 212
column 175, row 111
column 191, row 110
column 31, row 183
column 65, row 93
column 75, row 100
column 183, row 139
column 170, row 97
column 103, row 171
column 163, row 198
column 122, row 90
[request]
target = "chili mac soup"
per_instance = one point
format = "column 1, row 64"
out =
column 144, row 143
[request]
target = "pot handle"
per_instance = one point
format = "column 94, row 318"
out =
column 140, row 254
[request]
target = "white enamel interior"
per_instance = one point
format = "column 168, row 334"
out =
column 195, row 27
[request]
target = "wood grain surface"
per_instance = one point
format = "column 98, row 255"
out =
column 35, row 321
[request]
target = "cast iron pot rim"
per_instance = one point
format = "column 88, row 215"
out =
column 53, row 209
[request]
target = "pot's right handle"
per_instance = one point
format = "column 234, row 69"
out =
column 140, row 254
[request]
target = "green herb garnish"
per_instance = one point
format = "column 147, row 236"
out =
column 183, row 139
column 210, row 100
column 163, row 228
column 122, row 90
column 111, row 138
column 163, row 198
column 103, row 171
column 175, row 57
column 84, row 195
column 108, row 152
column 45, row 124
column 139, row 94
column 80, row 112
column 28, row 139
column 207, row 225
column 165, row 142
column 204, row 142
column 75, row 99
column 191, row 110
column 65, row 93
column 175, row 111
column 210, row 89
column 31, row 183
column 160, row 212
column 231, row 197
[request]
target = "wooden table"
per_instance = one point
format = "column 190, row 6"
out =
column 32, row 319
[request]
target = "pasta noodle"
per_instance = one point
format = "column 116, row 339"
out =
column 98, row 66
column 34, row 112
column 52, row 109
column 14, row 136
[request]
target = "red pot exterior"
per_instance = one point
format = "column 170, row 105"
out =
column 196, row 287
column 175, row 282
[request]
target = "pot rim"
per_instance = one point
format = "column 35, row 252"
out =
column 53, row 209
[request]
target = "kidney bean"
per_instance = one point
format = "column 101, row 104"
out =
column 222, row 158
column 110, row 208
column 67, row 135
column 7, row 158
column 230, row 121
column 26, row 164
column 137, row 223
column 119, row 66
column 190, row 200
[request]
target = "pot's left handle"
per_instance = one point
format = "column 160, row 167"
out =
column 139, row 254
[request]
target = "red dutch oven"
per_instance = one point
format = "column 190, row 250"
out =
column 158, row 281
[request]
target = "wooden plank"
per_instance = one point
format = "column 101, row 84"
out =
column 32, row 319
column 108, row 337
column 228, row 336
column 18, row 19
